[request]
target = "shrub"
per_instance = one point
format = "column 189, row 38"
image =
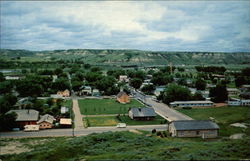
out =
column 187, row 108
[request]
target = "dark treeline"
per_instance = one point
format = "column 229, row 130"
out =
column 211, row 69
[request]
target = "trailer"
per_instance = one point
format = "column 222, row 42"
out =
column 31, row 128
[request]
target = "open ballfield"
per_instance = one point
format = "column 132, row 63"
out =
column 224, row 116
column 105, row 106
column 113, row 121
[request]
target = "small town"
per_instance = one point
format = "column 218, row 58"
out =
column 77, row 103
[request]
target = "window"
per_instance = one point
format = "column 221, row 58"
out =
column 197, row 132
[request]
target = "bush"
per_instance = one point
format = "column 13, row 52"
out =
column 187, row 108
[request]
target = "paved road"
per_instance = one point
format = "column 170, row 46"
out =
column 78, row 132
column 162, row 109
column 78, row 116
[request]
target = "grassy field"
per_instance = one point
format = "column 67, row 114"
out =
column 105, row 106
column 224, row 116
column 125, row 146
column 113, row 120
column 67, row 103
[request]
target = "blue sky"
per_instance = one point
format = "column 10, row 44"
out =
column 222, row 26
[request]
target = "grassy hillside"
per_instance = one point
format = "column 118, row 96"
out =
column 126, row 145
column 129, row 57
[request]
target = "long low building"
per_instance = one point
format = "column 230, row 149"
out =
column 191, row 104
column 193, row 128
column 238, row 102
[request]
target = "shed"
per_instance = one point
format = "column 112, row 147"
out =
column 65, row 122
column 122, row 97
column 142, row 113
column 193, row 128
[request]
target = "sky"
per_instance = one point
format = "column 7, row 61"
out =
column 216, row 26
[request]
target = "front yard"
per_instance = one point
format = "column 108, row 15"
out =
column 224, row 116
column 105, row 106
column 113, row 120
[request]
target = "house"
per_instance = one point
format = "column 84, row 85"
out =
column 192, row 104
column 64, row 109
column 12, row 77
column 233, row 91
column 64, row 93
column 96, row 93
column 25, row 117
column 142, row 113
column 46, row 121
column 123, row 78
column 122, row 97
column 193, row 128
column 158, row 90
column 65, row 122
column 86, row 90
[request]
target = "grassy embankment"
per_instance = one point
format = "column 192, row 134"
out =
column 224, row 116
column 126, row 145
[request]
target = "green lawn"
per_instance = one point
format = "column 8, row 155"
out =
column 113, row 120
column 224, row 116
column 67, row 103
column 105, row 106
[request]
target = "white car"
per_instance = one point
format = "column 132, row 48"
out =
column 121, row 125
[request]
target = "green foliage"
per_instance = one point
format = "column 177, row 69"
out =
column 5, row 87
column 136, row 83
column 218, row 93
column 200, row 84
column 2, row 78
column 161, row 78
column 174, row 92
column 7, row 102
column 148, row 89
column 7, row 121
column 131, row 146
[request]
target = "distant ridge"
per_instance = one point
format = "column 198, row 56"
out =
column 133, row 57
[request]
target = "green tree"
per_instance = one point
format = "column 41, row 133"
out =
column 148, row 89
column 200, row 84
column 2, row 78
column 218, row 93
column 5, row 87
column 60, row 84
column 136, row 83
column 7, row 121
column 174, row 92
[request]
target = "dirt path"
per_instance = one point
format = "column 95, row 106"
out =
column 78, row 116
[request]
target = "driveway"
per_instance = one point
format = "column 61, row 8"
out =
column 161, row 109
column 78, row 116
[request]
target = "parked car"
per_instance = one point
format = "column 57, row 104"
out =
column 121, row 125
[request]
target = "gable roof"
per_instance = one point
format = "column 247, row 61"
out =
column 26, row 115
column 194, row 125
column 47, row 118
column 121, row 94
column 143, row 112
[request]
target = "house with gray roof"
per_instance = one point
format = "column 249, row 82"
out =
column 26, row 117
column 142, row 113
column 193, row 128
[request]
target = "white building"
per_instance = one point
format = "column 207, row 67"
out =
column 238, row 102
column 192, row 104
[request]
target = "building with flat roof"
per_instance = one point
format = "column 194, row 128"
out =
column 192, row 104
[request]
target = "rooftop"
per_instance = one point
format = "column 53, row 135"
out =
column 194, row 125
column 183, row 102
column 26, row 115
column 47, row 118
column 143, row 112
column 121, row 94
